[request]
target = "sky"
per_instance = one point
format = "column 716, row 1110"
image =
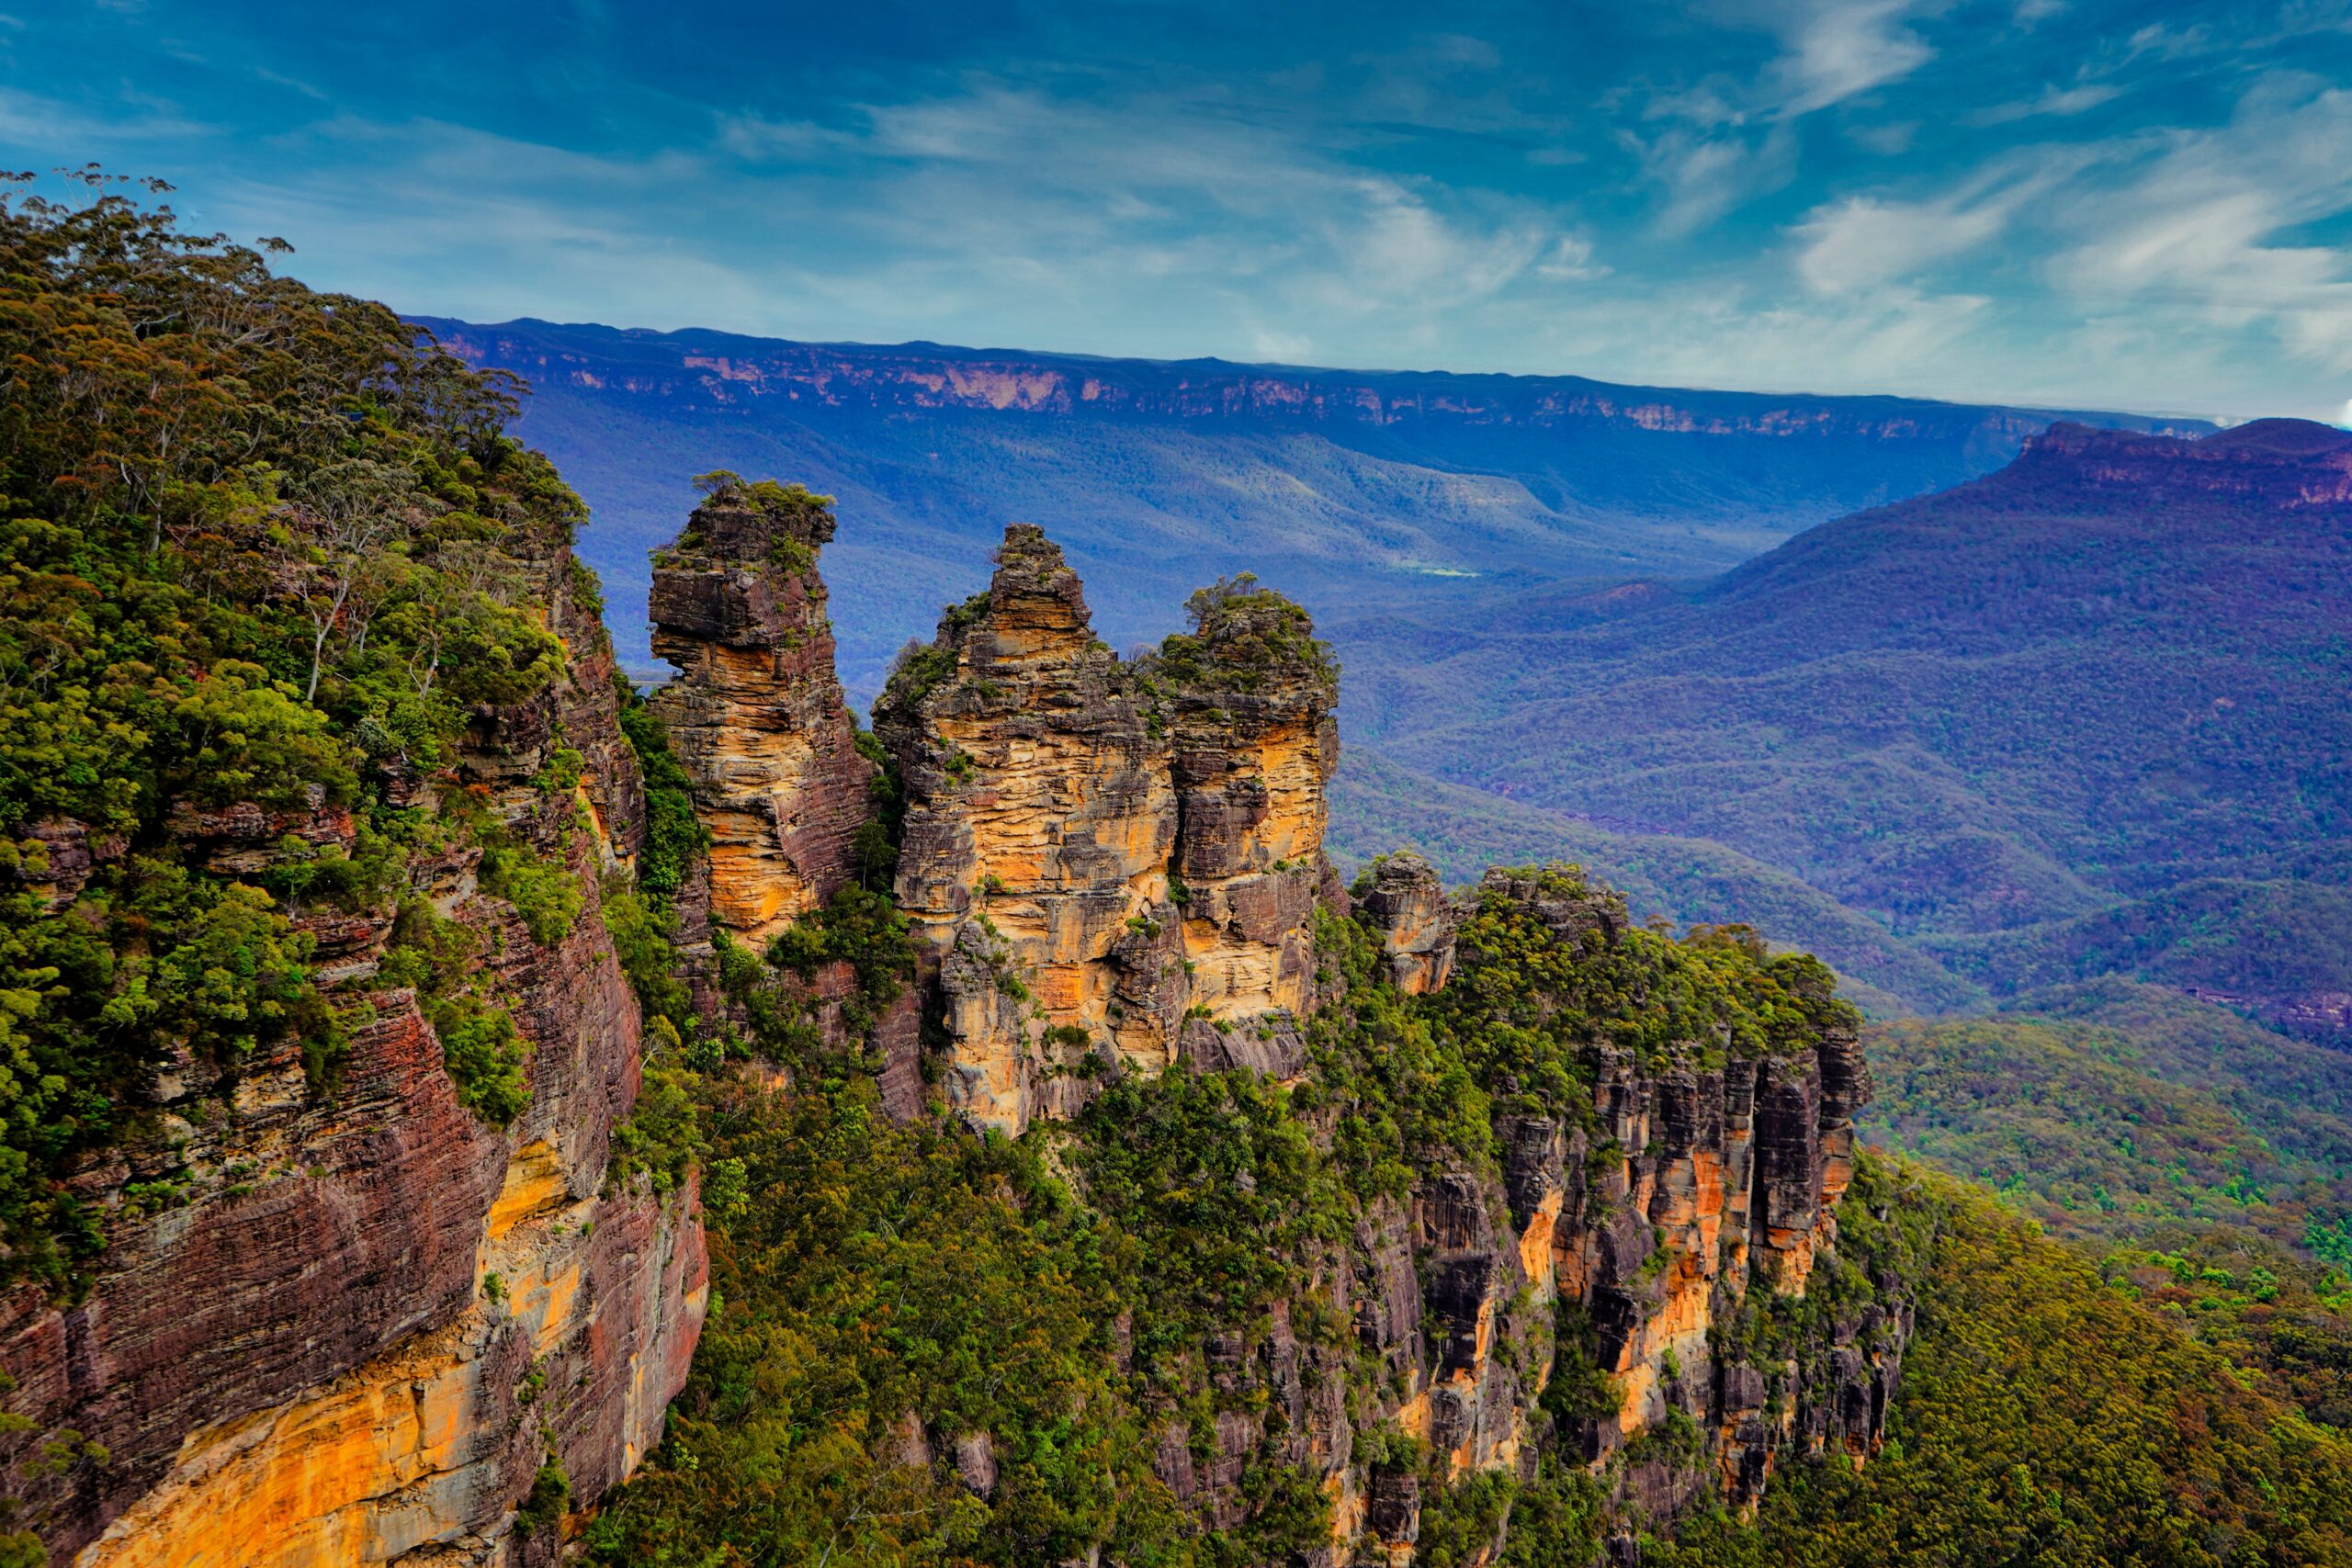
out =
column 2130, row 206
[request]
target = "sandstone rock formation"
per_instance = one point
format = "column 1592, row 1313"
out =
column 1658, row 1215
column 1407, row 904
column 756, row 715
column 1110, row 864
column 353, row 1327
column 757, row 720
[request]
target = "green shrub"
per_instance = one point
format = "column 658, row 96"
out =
column 542, row 891
column 485, row 1056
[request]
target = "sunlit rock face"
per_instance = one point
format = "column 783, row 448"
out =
column 363, row 1320
column 756, row 714
column 1110, row 863
column 1407, row 904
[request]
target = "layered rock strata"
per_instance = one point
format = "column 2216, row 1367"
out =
column 1407, row 905
column 1654, row 1216
column 353, row 1327
column 758, row 721
column 756, row 714
column 1110, row 864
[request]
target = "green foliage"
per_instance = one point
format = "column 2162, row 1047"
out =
column 2078, row 1124
column 240, row 736
column 485, row 1056
column 922, row 669
column 673, row 835
column 260, row 548
column 547, row 1503
column 1243, row 637
column 879, row 1271
column 543, row 892
column 663, row 1137
column 2047, row 1418
column 643, row 929
column 1221, row 1189
column 766, row 496
column 887, row 1290
column 2163, row 1134
column 861, row 929
column 2284, row 1321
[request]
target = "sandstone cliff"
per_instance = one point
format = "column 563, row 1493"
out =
column 1113, row 867
column 758, row 722
column 756, row 714
column 1109, row 865
column 364, row 1323
column 1641, row 1248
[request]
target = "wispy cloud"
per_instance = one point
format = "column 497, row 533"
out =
column 2053, row 100
column 2062, row 200
column 1839, row 49
column 2210, row 226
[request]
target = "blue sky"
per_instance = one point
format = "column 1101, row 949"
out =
column 2132, row 206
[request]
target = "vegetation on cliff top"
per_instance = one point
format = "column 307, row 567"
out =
column 260, row 547
column 2045, row 1417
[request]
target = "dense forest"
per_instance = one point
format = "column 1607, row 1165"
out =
column 2070, row 719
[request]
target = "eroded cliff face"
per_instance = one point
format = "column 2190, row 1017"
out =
column 354, row 1326
column 1109, row 865
column 757, row 719
column 1644, row 1253
column 756, row 715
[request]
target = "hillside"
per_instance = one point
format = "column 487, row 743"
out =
column 1348, row 489
column 2080, row 714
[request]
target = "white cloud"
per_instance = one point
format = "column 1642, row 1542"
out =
column 1841, row 49
column 2207, row 229
column 2054, row 101
column 1570, row 261
column 1864, row 242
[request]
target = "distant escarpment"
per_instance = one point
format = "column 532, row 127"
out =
column 1536, row 1200
column 1385, row 492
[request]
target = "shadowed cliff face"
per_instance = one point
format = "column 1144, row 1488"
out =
column 1646, row 1218
column 361, row 1323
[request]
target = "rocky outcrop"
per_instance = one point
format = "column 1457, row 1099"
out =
column 1255, row 742
column 1640, row 1249
column 757, row 719
column 1402, row 899
column 1106, row 860
column 756, row 714
column 353, row 1327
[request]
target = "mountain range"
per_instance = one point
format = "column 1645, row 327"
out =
column 460, row 1105
column 1966, row 698
column 1420, row 492
column 2080, row 716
